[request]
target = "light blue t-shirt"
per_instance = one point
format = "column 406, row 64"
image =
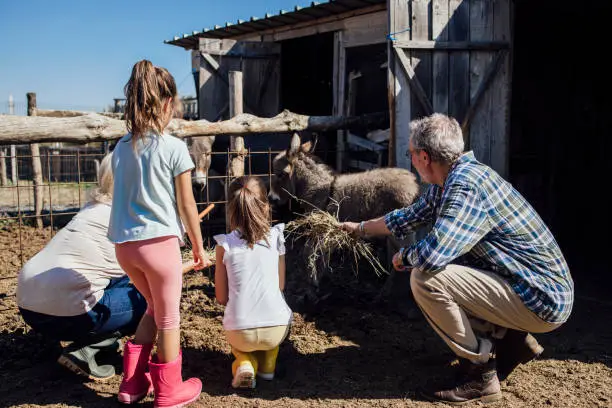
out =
column 144, row 200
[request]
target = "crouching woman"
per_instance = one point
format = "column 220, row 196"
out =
column 74, row 290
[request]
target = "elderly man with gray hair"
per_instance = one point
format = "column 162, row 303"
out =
column 488, row 272
column 74, row 289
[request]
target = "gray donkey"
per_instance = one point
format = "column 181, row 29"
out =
column 364, row 195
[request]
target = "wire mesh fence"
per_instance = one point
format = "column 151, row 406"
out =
column 68, row 178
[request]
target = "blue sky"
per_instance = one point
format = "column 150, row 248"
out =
column 79, row 54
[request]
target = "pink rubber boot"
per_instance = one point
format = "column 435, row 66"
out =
column 136, row 383
column 170, row 389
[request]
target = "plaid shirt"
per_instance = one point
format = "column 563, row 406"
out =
column 482, row 221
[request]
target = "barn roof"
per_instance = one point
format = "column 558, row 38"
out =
column 316, row 10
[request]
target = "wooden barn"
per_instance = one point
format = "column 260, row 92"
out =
column 533, row 106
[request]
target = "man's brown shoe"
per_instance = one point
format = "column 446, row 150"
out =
column 517, row 347
column 475, row 382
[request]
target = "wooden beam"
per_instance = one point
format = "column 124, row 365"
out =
column 489, row 75
column 214, row 64
column 391, row 83
column 364, row 143
column 310, row 27
column 339, row 81
column 97, row 128
column 415, row 85
column 69, row 114
column 453, row 45
column 399, row 99
column 246, row 49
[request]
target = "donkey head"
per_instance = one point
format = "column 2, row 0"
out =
column 201, row 149
column 282, row 182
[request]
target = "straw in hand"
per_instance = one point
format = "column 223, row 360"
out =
column 321, row 232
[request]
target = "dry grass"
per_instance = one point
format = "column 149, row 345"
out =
column 321, row 232
column 187, row 255
column 55, row 195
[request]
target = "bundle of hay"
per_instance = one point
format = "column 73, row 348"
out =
column 322, row 233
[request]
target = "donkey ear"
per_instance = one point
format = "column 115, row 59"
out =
column 309, row 146
column 294, row 147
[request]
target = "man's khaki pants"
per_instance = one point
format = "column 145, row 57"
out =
column 459, row 300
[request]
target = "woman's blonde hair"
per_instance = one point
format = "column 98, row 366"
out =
column 103, row 193
column 146, row 92
column 249, row 211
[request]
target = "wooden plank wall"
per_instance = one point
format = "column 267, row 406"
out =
column 499, row 117
column 439, row 32
column 260, row 65
column 214, row 88
column 451, row 78
column 459, row 61
column 481, row 28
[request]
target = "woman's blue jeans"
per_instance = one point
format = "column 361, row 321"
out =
column 116, row 314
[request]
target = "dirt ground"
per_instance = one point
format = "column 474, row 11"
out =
column 348, row 350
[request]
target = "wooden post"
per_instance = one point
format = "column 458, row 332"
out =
column 56, row 165
column 14, row 174
column 117, row 107
column 3, row 178
column 339, row 81
column 236, row 108
column 236, row 164
column 36, row 166
column 97, row 165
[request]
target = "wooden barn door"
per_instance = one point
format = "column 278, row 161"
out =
column 453, row 57
column 260, row 66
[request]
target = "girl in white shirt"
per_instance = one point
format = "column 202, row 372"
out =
column 249, row 279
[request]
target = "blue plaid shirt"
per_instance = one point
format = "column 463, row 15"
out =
column 482, row 221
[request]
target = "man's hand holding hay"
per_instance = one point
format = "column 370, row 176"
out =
column 372, row 228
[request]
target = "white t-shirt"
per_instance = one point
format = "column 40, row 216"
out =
column 255, row 299
column 69, row 275
column 144, row 198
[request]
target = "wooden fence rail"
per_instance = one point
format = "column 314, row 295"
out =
column 92, row 127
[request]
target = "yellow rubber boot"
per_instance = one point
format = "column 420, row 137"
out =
column 244, row 369
column 267, row 363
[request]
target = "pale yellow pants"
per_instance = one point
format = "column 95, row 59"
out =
column 258, row 346
column 467, row 307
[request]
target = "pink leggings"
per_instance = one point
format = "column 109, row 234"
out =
column 155, row 267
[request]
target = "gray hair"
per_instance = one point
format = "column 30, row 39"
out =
column 103, row 193
column 439, row 135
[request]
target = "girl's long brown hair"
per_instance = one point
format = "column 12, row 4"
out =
column 249, row 211
column 146, row 92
